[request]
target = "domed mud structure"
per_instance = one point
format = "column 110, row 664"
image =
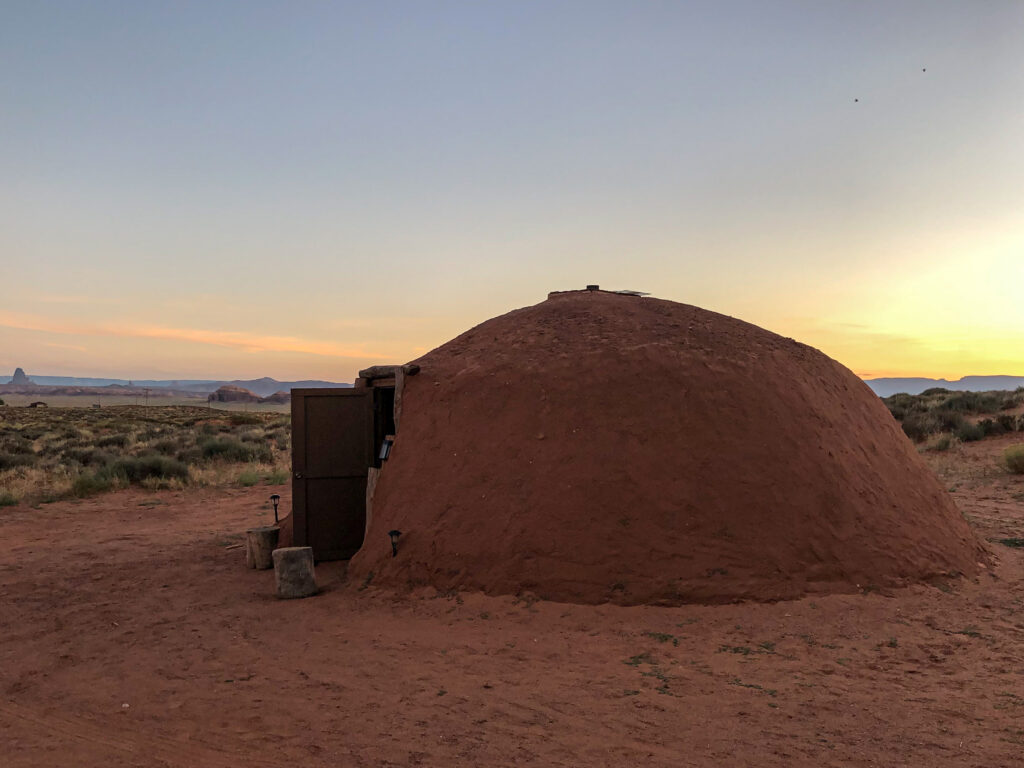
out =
column 601, row 447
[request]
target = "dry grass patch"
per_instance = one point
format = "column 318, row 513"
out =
column 47, row 454
column 1014, row 459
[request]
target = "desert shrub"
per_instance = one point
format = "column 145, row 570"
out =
column 278, row 477
column 135, row 469
column 1008, row 422
column 949, row 421
column 935, row 391
column 249, row 477
column 224, row 448
column 64, row 452
column 230, row 449
column 79, row 451
column 991, row 427
column 7, row 499
column 162, row 483
column 56, row 448
column 942, row 444
column 975, row 402
column 191, row 455
column 1014, row 458
column 14, row 443
column 12, row 460
column 282, row 439
column 900, row 398
column 902, row 405
column 98, row 458
column 167, row 447
column 211, row 429
column 75, row 454
column 3, row 403
column 95, row 457
column 968, row 433
column 239, row 419
column 91, row 483
column 118, row 425
column 112, row 441
column 919, row 426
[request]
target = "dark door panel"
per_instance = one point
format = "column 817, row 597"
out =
column 340, row 520
column 339, row 433
column 332, row 451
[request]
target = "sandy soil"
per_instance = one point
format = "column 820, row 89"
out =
column 131, row 634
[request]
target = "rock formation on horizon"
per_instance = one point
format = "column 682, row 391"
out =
column 232, row 394
column 20, row 378
column 280, row 398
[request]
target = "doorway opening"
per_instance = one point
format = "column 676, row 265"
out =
column 341, row 439
column 383, row 421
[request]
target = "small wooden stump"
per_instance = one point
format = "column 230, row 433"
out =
column 259, row 544
column 293, row 572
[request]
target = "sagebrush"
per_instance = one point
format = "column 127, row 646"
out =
column 46, row 454
column 939, row 411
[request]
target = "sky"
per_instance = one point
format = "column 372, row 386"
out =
column 299, row 189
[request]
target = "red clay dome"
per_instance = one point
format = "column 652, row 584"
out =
column 600, row 447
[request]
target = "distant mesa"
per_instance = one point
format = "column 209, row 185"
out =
column 76, row 385
column 278, row 397
column 884, row 387
column 232, row 394
column 20, row 378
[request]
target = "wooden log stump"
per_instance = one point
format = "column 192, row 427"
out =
column 259, row 544
column 293, row 572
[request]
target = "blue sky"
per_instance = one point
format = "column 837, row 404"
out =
column 299, row 189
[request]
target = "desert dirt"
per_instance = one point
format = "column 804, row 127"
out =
column 131, row 634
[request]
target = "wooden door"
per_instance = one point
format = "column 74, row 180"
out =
column 332, row 451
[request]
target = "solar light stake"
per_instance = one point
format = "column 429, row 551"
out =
column 394, row 542
column 275, row 498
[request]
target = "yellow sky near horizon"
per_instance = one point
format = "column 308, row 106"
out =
column 907, row 317
column 942, row 306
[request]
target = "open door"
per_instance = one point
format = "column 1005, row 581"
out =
column 332, row 451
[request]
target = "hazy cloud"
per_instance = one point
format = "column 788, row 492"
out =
column 240, row 340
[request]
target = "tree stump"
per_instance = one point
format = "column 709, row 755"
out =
column 293, row 572
column 259, row 543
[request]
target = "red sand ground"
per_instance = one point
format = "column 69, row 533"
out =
column 115, row 601
column 598, row 447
